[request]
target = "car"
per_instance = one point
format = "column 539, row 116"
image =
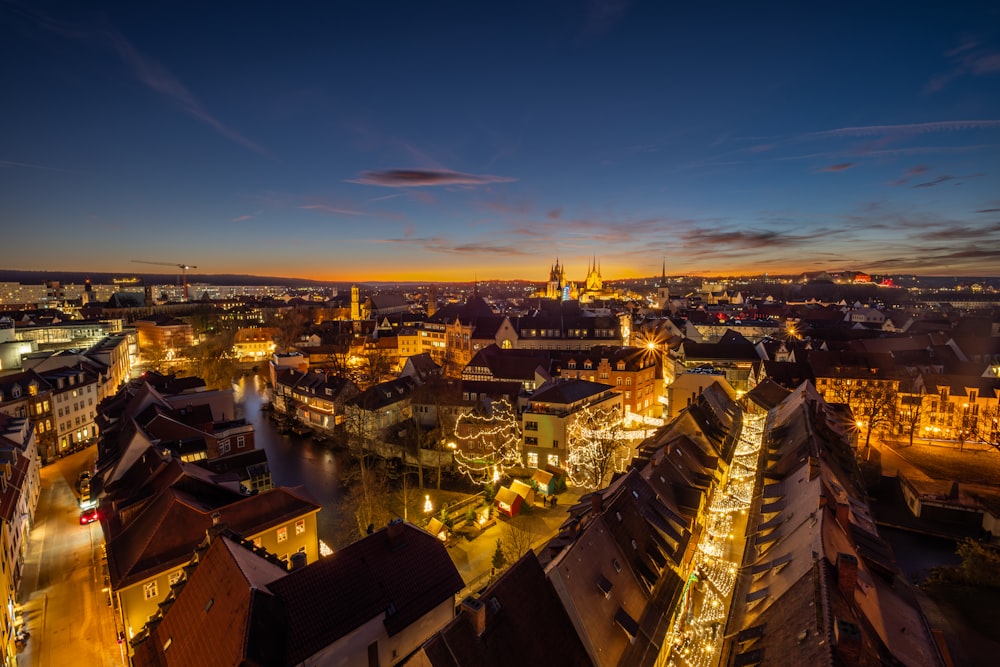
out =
column 89, row 516
column 83, row 481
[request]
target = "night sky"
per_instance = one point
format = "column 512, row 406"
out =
column 461, row 140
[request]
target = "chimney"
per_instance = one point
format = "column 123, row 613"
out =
column 847, row 574
column 395, row 531
column 476, row 611
column 216, row 529
column 298, row 561
column 847, row 641
column 843, row 515
column 597, row 503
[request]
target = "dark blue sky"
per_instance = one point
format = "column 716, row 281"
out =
column 452, row 140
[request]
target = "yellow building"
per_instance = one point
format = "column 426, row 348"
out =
column 146, row 556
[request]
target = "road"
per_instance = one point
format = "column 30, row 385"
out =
column 64, row 596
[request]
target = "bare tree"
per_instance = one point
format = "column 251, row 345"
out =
column 911, row 413
column 290, row 325
column 596, row 442
column 375, row 361
column 985, row 426
column 369, row 496
column 489, row 441
column 519, row 534
column 213, row 359
column 874, row 405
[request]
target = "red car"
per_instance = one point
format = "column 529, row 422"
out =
column 89, row 516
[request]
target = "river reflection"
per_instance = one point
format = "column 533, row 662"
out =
column 293, row 460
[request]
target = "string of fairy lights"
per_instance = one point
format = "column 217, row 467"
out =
column 491, row 442
column 695, row 634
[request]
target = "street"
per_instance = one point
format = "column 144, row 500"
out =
column 698, row 622
column 63, row 591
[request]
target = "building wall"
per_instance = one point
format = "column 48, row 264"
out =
column 74, row 406
column 550, row 433
column 136, row 608
column 353, row 649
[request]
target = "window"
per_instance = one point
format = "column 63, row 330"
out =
column 150, row 590
column 530, row 426
column 283, row 534
column 224, row 446
column 555, row 443
column 588, row 365
column 628, row 394
column 619, row 382
column 240, row 441
column 528, row 440
column 532, row 459
column 174, row 577
column 553, row 459
column 628, row 382
column 257, row 542
column 571, row 365
column 300, row 526
column 604, row 375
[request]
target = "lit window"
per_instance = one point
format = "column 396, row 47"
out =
column 300, row 526
column 150, row 590
column 283, row 534
column 553, row 459
column 174, row 577
column 532, row 459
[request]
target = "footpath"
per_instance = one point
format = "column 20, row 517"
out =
column 474, row 558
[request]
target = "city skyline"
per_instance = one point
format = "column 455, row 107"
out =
column 453, row 143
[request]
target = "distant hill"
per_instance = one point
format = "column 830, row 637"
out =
column 78, row 277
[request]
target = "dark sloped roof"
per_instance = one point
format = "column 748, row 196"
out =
column 565, row 392
column 401, row 571
column 768, row 394
column 173, row 524
column 526, row 624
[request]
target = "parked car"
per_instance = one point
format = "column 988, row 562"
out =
column 89, row 516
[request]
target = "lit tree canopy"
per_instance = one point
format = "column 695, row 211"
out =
column 596, row 441
column 489, row 441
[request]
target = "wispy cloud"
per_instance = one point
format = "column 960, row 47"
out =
column 160, row 80
column 11, row 164
column 442, row 245
column 841, row 166
column 910, row 173
column 906, row 128
column 958, row 231
column 967, row 59
column 936, row 181
column 413, row 178
column 242, row 218
column 335, row 210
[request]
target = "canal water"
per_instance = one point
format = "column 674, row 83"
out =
column 294, row 460
column 917, row 554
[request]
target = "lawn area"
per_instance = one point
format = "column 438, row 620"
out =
column 968, row 466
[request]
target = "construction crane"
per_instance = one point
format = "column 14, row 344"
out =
column 183, row 267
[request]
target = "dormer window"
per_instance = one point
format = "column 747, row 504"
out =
column 572, row 364
column 588, row 365
column 16, row 391
column 621, row 365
